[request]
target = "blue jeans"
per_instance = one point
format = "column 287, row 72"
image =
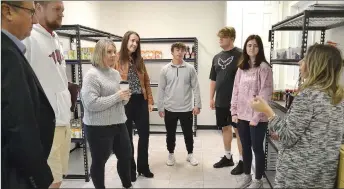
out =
column 253, row 137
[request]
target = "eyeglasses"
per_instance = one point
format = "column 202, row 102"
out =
column 32, row 11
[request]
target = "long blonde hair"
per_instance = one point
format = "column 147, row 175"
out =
column 324, row 64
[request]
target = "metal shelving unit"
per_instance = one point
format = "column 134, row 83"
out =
column 76, row 33
column 318, row 18
column 193, row 40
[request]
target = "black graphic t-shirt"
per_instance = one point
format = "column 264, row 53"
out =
column 223, row 70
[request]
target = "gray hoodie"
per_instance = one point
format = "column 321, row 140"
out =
column 175, row 88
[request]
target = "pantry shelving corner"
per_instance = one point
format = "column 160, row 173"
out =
column 77, row 33
column 319, row 17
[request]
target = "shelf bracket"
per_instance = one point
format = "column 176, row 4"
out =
column 272, row 40
column 322, row 37
column 304, row 38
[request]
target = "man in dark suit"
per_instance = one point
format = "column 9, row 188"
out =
column 27, row 119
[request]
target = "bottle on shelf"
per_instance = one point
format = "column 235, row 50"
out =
column 280, row 97
column 187, row 54
column 193, row 52
column 286, row 97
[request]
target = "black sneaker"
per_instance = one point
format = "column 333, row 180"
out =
column 224, row 162
column 239, row 169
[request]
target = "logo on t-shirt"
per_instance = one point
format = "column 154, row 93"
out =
column 224, row 63
column 56, row 56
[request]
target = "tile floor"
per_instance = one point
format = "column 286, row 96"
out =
column 208, row 149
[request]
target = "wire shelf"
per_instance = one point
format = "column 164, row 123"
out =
column 167, row 40
column 318, row 20
column 85, row 33
column 291, row 62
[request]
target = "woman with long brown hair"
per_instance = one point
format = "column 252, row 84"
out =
column 253, row 78
column 312, row 131
column 131, row 67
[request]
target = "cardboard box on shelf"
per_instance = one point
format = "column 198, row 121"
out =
column 151, row 54
column 76, row 133
column 158, row 54
column 72, row 55
column 144, row 54
column 86, row 53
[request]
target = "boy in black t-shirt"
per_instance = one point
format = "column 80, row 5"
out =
column 222, row 74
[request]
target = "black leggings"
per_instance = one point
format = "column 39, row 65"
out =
column 103, row 140
column 137, row 111
column 253, row 136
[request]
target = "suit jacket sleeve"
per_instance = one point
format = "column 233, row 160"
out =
column 19, row 125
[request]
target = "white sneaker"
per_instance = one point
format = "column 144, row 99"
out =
column 256, row 184
column 193, row 161
column 246, row 181
column 171, row 160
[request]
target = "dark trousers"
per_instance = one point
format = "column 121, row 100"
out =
column 186, row 120
column 253, row 136
column 104, row 140
column 137, row 111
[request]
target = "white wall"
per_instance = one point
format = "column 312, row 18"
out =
column 86, row 13
column 154, row 19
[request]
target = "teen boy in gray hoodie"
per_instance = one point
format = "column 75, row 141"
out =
column 177, row 81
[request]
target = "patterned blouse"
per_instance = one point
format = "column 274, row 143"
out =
column 134, row 82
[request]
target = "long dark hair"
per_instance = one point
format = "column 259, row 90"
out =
column 136, row 56
column 243, row 63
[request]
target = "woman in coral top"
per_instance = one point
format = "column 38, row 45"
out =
column 253, row 78
column 131, row 67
